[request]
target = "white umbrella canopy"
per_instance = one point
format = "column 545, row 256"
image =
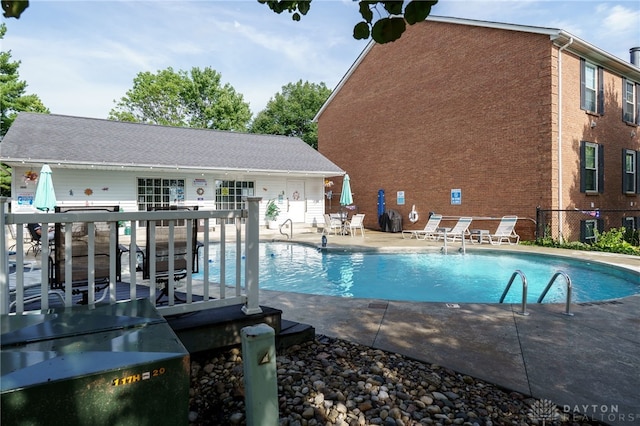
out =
column 346, row 197
column 45, row 198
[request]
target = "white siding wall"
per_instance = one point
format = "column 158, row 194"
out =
column 112, row 187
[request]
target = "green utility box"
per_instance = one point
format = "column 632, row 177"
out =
column 117, row 364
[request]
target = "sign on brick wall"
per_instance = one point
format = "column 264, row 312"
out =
column 456, row 196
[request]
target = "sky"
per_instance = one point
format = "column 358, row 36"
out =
column 80, row 57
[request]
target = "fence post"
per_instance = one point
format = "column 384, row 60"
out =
column 4, row 262
column 538, row 222
column 260, row 376
column 252, row 250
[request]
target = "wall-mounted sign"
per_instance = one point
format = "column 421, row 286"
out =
column 400, row 198
column 199, row 182
column 25, row 199
column 456, row 196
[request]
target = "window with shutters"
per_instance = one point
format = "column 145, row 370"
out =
column 591, row 87
column 591, row 167
column 630, row 102
column 630, row 172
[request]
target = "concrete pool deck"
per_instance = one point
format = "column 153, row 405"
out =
column 588, row 362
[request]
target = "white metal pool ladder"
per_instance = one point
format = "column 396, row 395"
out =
column 524, row 290
column 544, row 293
column 569, row 290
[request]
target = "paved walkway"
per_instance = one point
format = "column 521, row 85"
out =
column 589, row 362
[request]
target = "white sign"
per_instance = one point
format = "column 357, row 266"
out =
column 400, row 198
column 456, row 196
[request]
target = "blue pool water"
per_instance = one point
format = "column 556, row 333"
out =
column 428, row 277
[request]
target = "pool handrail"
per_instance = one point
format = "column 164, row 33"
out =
column 569, row 290
column 524, row 290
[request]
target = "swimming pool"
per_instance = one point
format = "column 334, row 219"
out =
column 429, row 277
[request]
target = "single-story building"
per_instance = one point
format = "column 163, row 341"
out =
column 137, row 166
column 473, row 118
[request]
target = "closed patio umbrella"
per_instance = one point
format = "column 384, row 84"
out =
column 346, row 197
column 45, row 198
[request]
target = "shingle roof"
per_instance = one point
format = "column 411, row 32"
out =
column 50, row 138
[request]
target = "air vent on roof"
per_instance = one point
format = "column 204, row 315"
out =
column 635, row 56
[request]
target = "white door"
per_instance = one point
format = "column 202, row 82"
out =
column 297, row 200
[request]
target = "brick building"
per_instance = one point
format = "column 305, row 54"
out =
column 514, row 117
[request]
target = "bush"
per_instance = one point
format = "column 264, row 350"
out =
column 616, row 240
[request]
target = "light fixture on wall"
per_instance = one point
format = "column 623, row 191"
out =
column 633, row 134
column 593, row 124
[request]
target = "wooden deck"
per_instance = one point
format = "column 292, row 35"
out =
column 209, row 329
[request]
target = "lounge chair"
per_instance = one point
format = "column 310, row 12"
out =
column 30, row 290
column 331, row 224
column 356, row 222
column 459, row 231
column 429, row 230
column 505, row 232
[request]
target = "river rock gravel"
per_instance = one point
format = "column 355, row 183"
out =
column 334, row 382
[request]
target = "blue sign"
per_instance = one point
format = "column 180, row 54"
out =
column 25, row 199
column 456, row 196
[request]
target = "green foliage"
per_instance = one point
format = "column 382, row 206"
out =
column 183, row 99
column 272, row 212
column 13, row 100
column 384, row 30
column 616, row 240
column 13, row 9
column 291, row 112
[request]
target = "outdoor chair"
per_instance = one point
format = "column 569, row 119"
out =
column 331, row 224
column 356, row 222
column 79, row 261
column 31, row 286
column 505, row 232
column 159, row 231
column 35, row 240
column 459, row 231
column 429, row 230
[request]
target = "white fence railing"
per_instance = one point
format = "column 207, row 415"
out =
column 16, row 295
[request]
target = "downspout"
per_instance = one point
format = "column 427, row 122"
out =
column 560, row 203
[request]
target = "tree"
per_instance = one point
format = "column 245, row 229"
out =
column 13, row 100
column 185, row 99
column 383, row 30
column 291, row 112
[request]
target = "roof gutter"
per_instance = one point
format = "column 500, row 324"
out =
column 560, row 183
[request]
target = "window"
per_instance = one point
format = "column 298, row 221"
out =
column 591, row 167
column 630, row 102
column 591, row 87
column 630, row 178
column 158, row 192
column 630, row 223
column 230, row 194
column 589, row 230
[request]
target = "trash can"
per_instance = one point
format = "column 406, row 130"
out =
column 117, row 364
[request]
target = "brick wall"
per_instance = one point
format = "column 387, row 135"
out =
column 461, row 107
column 446, row 107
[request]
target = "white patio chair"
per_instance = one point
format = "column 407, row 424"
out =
column 459, row 231
column 505, row 232
column 429, row 230
column 331, row 224
column 356, row 222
